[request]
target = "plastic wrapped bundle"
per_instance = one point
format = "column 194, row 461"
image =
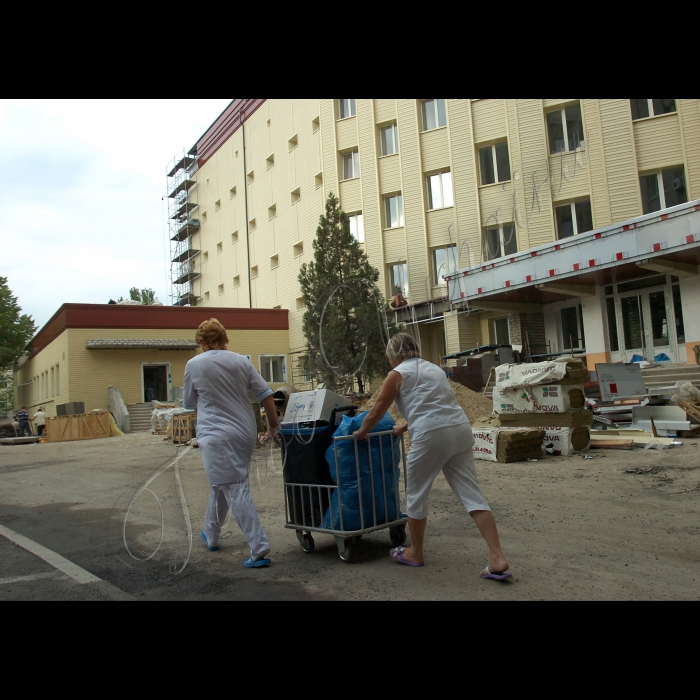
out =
column 371, row 484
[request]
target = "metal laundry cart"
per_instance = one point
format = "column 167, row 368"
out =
column 306, row 505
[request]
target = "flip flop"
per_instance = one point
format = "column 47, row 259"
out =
column 211, row 549
column 250, row 564
column 397, row 555
column 498, row 577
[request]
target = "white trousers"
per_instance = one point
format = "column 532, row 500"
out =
column 238, row 498
column 448, row 450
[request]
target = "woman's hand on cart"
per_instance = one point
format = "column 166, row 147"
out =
column 361, row 434
column 399, row 430
column 275, row 435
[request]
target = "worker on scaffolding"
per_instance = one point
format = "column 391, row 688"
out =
column 398, row 300
column 216, row 384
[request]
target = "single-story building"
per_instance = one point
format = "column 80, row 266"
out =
column 85, row 349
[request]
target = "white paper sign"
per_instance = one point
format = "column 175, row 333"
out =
column 620, row 380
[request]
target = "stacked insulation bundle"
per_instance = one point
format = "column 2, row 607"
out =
column 546, row 395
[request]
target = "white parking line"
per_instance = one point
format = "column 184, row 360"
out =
column 29, row 577
column 56, row 560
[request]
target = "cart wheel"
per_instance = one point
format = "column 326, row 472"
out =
column 398, row 534
column 345, row 549
column 306, row 541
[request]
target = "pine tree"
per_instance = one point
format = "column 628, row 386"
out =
column 16, row 329
column 345, row 322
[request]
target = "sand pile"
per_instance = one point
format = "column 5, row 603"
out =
column 473, row 404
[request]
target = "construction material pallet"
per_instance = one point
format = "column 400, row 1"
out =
column 80, row 426
column 184, row 427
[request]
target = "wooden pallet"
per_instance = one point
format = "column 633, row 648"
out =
column 184, row 427
column 691, row 410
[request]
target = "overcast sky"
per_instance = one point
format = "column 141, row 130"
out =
column 82, row 214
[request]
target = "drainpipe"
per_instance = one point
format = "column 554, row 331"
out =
column 245, row 199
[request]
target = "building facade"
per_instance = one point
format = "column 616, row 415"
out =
column 85, row 349
column 434, row 187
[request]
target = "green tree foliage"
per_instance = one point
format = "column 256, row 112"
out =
column 143, row 296
column 16, row 328
column 345, row 322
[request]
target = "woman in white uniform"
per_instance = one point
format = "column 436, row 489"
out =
column 441, row 440
column 217, row 383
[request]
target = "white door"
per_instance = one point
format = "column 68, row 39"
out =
column 645, row 319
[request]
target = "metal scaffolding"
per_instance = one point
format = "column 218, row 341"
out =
column 182, row 224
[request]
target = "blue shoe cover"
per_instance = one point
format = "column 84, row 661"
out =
column 250, row 564
column 211, row 549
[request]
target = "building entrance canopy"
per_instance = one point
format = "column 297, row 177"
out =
column 667, row 241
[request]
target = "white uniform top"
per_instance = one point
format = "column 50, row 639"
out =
column 216, row 384
column 425, row 398
column 40, row 418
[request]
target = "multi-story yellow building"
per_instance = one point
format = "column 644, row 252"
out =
column 437, row 186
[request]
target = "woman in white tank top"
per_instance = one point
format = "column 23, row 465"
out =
column 441, row 440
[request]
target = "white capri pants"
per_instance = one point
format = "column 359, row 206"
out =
column 448, row 450
column 238, row 498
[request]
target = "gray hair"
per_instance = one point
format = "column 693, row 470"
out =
column 402, row 346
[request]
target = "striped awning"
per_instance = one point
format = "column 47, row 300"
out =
column 140, row 343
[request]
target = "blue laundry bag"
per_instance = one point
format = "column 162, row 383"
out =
column 346, row 476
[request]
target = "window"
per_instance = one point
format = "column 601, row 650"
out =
column 565, row 129
column 252, row 225
column 318, row 180
column 444, row 260
column 219, row 248
column 574, row 218
column 494, row 163
column 678, row 312
column 662, row 190
column 205, row 256
column 572, row 327
column 253, row 272
column 58, row 382
column 270, row 161
column 499, row 241
column 298, row 249
column 300, row 303
column 217, row 205
column 234, row 237
column 232, row 192
column 612, row 322
column 434, row 115
column 273, row 368
column 351, row 165
column 393, row 211
column 272, row 212
column 293, row 142
column 206, row 296
column 398, row 279
column 237, row 281
column 651, row 108
column 315, row 124
column 220, row 289
column 357, row 226
column 389, row 137
column 52, row 391
column 440, row 190
column 346, row 108
column 296, row 195
column 274, row 261
column 501, row 331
